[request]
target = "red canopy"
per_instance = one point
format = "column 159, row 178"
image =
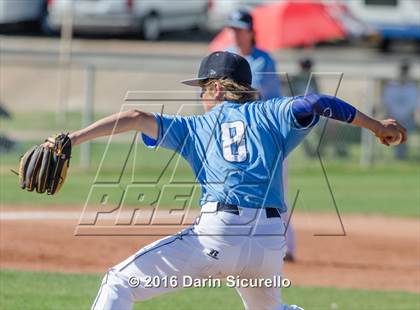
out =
column 288, row 24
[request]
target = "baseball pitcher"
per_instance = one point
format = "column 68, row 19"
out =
column 236, row 151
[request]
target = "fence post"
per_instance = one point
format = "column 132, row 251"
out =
column 367, row 139
column 64, row 62
column 87, row 116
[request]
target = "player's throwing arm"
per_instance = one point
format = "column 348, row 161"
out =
column 389, row 131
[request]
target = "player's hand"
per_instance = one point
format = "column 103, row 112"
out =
column 390, row 131
column 49, row 144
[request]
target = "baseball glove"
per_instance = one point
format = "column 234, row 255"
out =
column 44, row 169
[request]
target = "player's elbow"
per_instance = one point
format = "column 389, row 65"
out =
column 134, row 113
column 136, row 117
column 143, row 121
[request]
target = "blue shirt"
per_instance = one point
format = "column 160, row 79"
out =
column 236, row 150
column 264, row 74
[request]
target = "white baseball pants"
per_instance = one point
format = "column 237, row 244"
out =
column 218, row 245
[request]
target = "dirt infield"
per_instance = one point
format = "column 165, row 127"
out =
column 376, row 253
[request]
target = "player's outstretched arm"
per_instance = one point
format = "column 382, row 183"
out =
column 388, row 131
column 117, row 123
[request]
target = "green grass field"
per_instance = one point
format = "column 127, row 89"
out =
column 38, row 290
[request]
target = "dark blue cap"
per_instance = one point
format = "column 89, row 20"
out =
column 220, row 65
column 241, row 19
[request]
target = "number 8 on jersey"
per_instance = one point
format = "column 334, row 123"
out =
column 233, row 141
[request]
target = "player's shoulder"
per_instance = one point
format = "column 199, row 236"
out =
column 276, row 102
column 267, row 107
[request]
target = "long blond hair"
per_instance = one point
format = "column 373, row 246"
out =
column 233, row 91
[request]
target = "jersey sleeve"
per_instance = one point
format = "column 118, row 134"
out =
column 290, row 130
column 172, row 132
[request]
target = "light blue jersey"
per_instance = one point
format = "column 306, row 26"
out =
column 236, row 150
column 264, row 74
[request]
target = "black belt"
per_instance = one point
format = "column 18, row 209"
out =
column 270, row 212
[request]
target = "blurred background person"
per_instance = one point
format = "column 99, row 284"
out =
column 401, row 99
column 6, row 144
column 306, row 83
column 303, row 82
column 265, row 79
column 263, row 66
